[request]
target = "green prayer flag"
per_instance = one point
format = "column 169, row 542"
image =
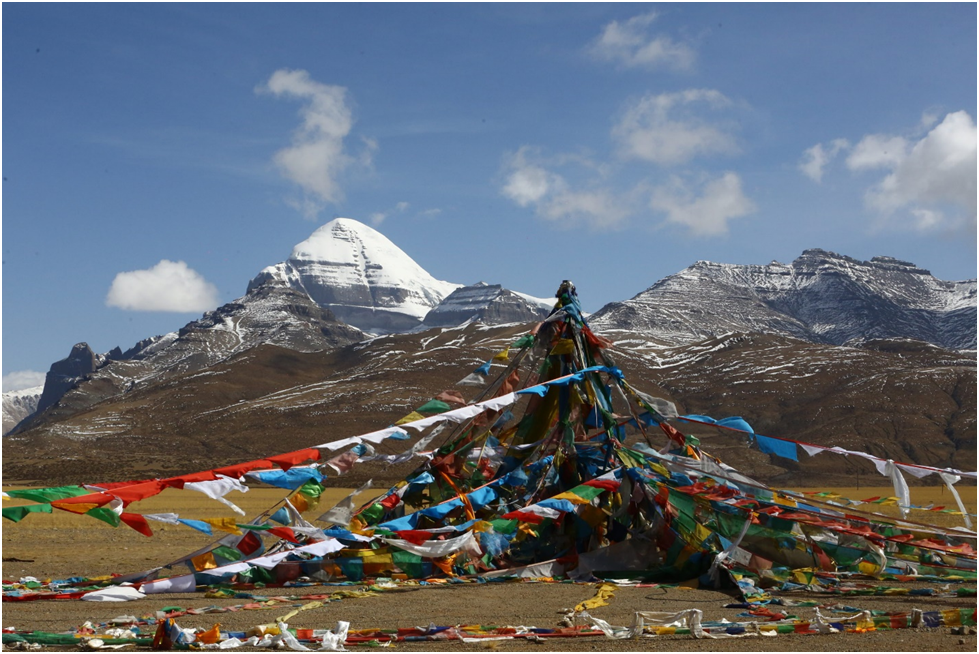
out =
column 48, row 494
column 312, row 488
column 229, row 553
column 433, row 407
column 524, row 341
column 18, row 513
column 107, row 516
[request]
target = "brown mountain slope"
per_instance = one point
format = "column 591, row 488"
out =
column 911, row 402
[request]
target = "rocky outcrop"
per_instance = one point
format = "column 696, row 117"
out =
column 490, row 304
column 64, row 375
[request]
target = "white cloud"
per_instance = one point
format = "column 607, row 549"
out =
column 630, row 45
column 933, row 178
column 316, row 158
column 930, row 174
column 21, row 379
column 380, row 216
column 877, row 151
column 708, row 214
column 167, row 286
column 530, row 184
column 815, row 159
column 664, row 130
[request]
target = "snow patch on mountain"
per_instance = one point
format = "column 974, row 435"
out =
column 19, row 404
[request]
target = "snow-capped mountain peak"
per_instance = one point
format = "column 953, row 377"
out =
column 361, row 276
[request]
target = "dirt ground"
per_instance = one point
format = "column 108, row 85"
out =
column 62, row 545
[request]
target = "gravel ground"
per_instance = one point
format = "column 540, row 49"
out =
column 528, row 604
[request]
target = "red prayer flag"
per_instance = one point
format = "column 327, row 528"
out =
column 239, row 469
column 137, row 522
column 249, row 544
column 289, row 459
column 285, row 533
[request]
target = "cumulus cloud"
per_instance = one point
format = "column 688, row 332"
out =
column 708, row 213
column 528, row 183
column 815, row 159
column 316, row 159
column 930, row 177
column 168, row 286
column 21, row 379
column 630, row 45
column 664, row 129
column 877, row 151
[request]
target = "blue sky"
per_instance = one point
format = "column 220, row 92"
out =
column 516, row 144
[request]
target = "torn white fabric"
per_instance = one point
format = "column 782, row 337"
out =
column 728, row 553
column 333, row 641
column 300, row 525
column 269, row 561
column 437, row 548
column 322, row 548
column 551, row 568
column 916, row 471
column 382, row 434
column 216, row 489
column 225, row 569
column 950, row 481
column 333, row 446
column 812, row 450
column 184, row 584
column 901, row 490
column 343, row 512
column 113, row 594
column 497, row 403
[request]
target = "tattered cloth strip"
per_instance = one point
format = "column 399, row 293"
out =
column 646, row 624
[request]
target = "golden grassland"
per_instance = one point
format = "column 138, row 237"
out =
column 63, row 544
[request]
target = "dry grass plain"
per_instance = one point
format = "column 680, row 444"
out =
column 61, row 545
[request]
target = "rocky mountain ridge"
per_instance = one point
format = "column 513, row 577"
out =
column 487, row 303
column 821, row 297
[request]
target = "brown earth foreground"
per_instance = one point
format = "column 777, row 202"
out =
column 62, row 545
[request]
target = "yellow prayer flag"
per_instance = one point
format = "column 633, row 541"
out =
column 502, row 356
column 701, row 533
column 783, row 500
column 299, row 502
column 603, row 595
column 224, row 524
column 411, row 417
column 571, row 497
column 210, row 636
column 75, row 508
column 204, row 562
column 563, row 346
